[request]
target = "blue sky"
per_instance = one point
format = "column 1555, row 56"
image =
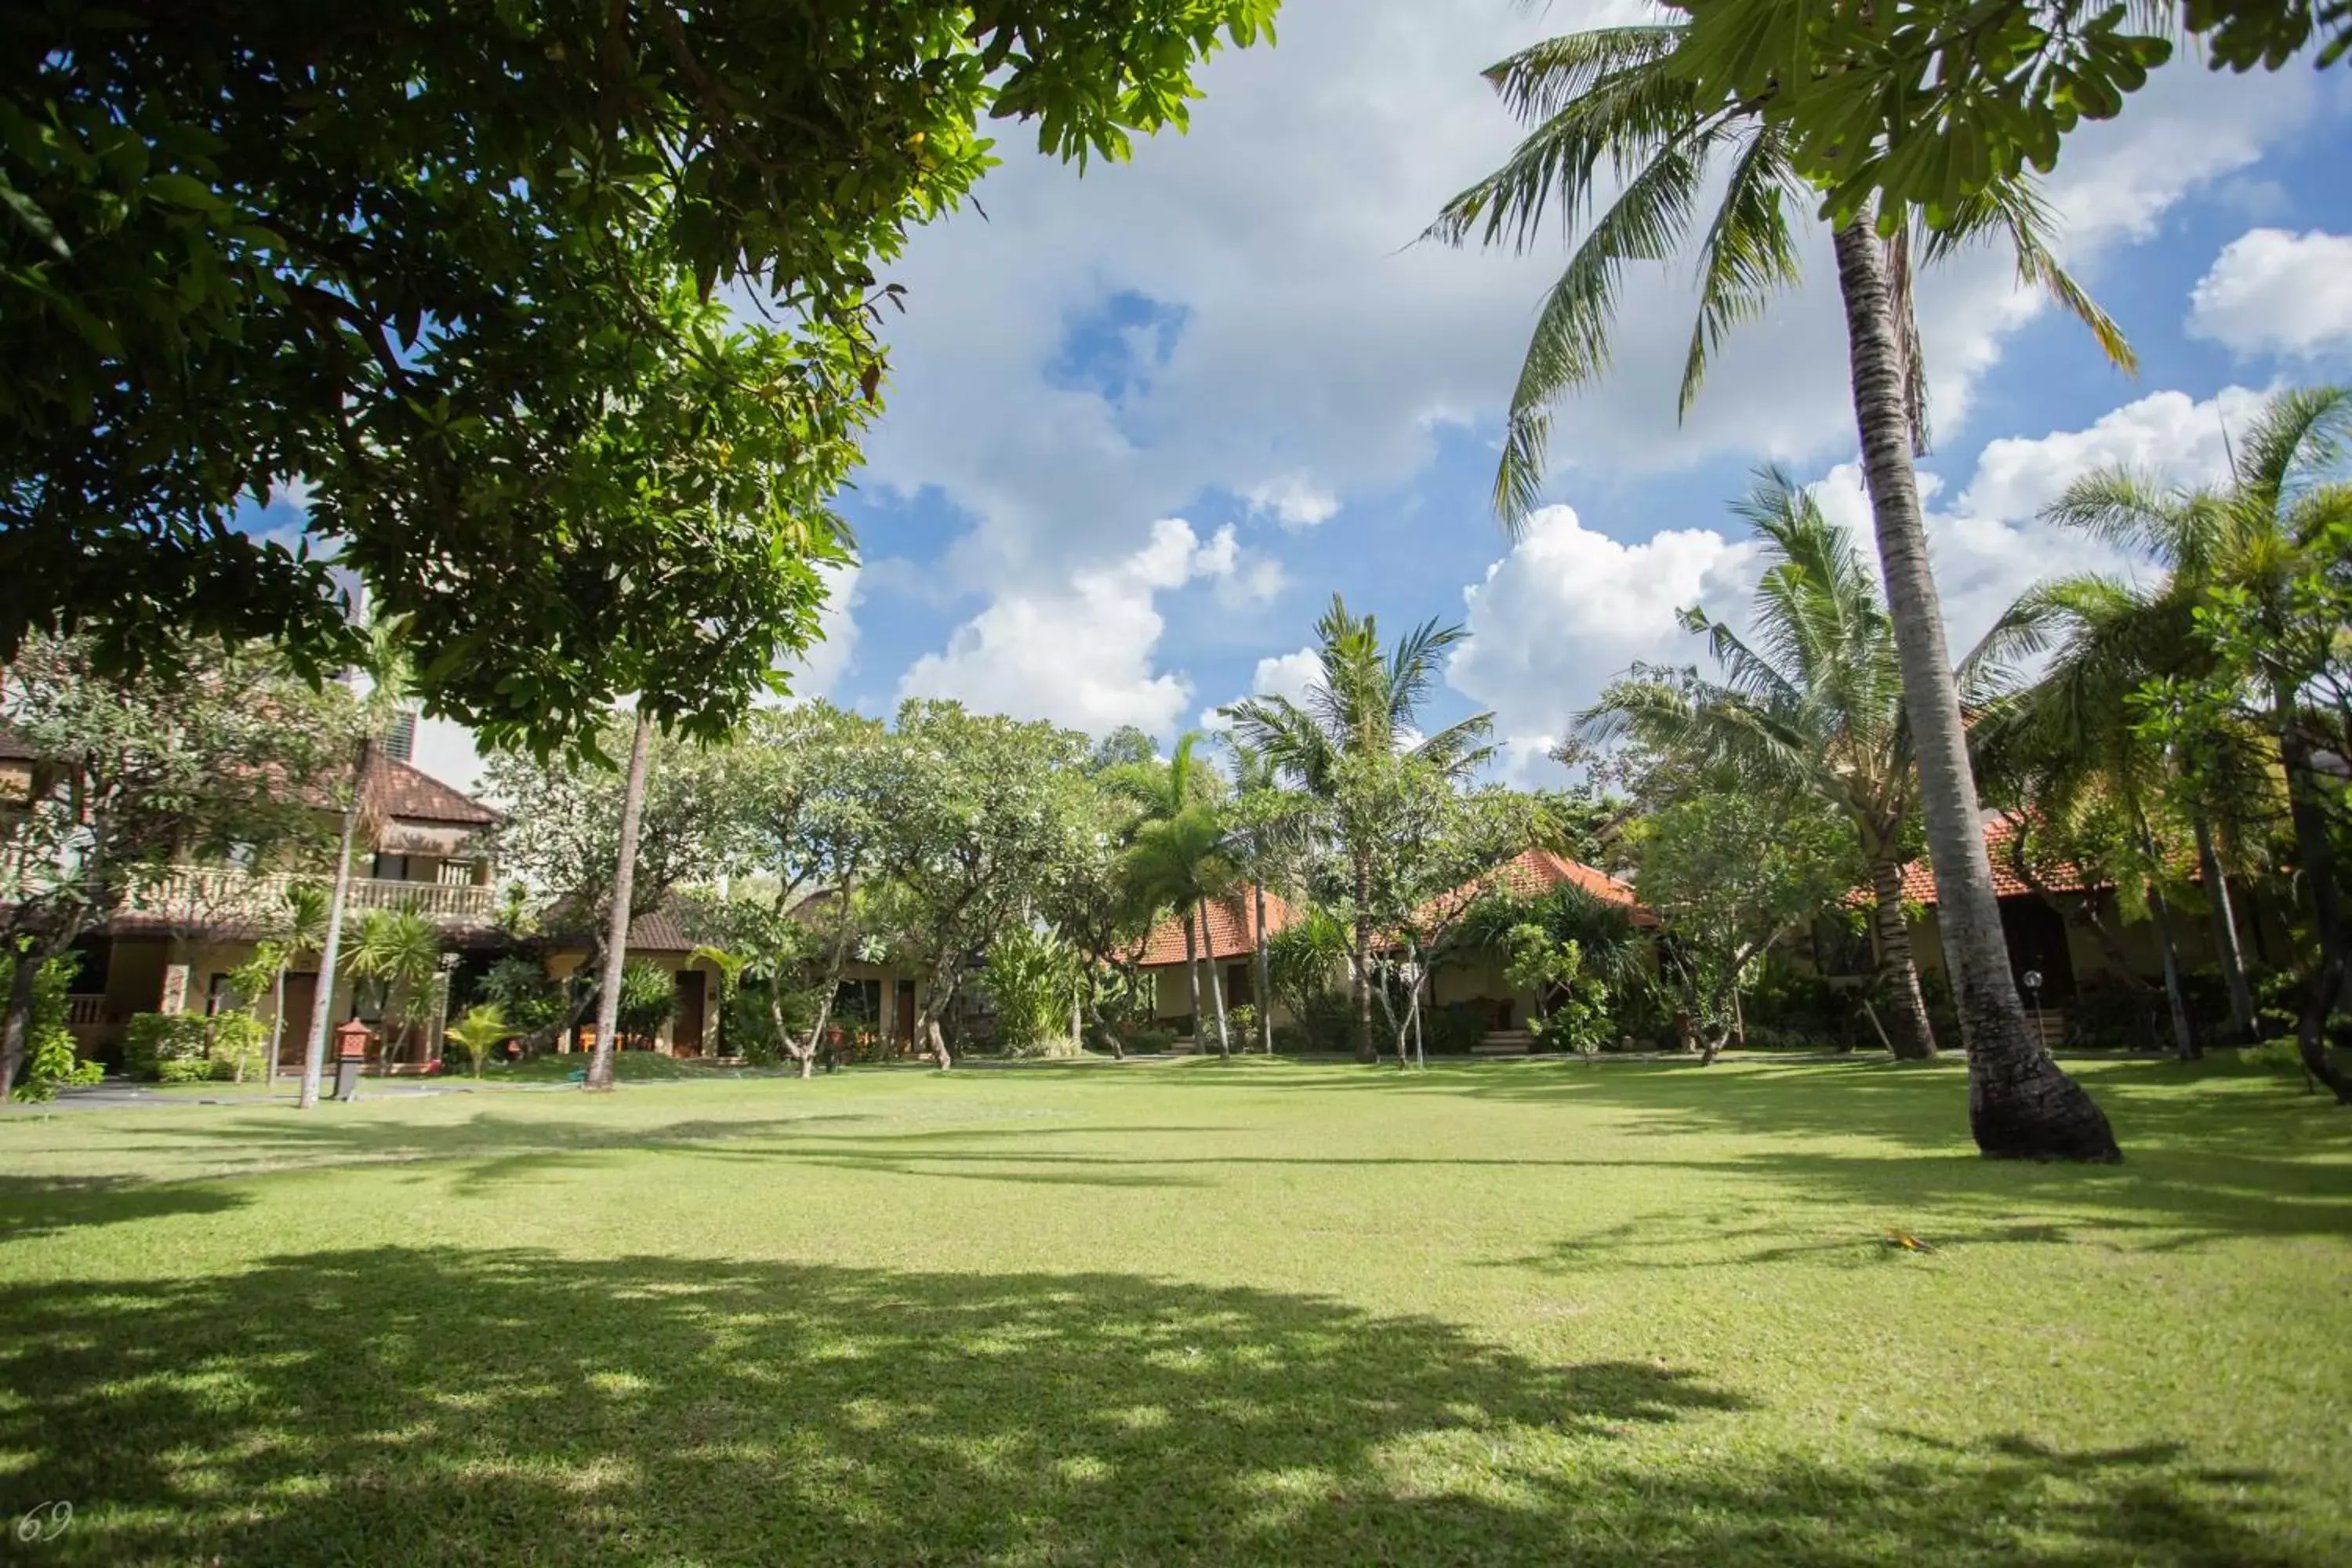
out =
column 1144, row 423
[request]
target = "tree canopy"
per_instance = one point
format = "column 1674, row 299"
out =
column 455, row 269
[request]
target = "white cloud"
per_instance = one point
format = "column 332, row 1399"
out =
column 819, row 670
column 2273, row 292
column 1569, row 608
column 1294, row 501
column 1080, row 653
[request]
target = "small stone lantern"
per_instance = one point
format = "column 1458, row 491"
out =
column 351, row 1055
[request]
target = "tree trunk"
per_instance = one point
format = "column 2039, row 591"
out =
column 1913, row 1038
column 16, row 1023
column 2315, row 849
column 2184, row 1040
column 323, row 1003
column 1360, row 972
column 834, row 966
column 277, row 1022
column 2020, row 1105
column 803, row 1053
column 1216, row 983
column 1265, row 977
column 2244, row 1024
column 1192, row 976
column 617, row 929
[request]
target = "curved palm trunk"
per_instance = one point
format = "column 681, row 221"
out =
column 1913, row 1038
column 277, row 1022
column 1265, row 982
column 1192, row 976
column 616, row 930
column 2020, row 1105
column 1217, row 985
column 2242, row 1022
column 323, row 1003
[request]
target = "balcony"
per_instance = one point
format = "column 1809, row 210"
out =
column 201, row 896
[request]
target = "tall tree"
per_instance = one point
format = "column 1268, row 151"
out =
column 135, row 775
column 1178, row 859
column 1615, row 95
column 981, row 809
column 1267, row 838
column 1364, row 701
column 455, row 267
column 1812, row 701
column 2263, row 560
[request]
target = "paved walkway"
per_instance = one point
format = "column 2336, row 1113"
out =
column 114, row 1095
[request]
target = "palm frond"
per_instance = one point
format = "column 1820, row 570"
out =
column 1748, row 253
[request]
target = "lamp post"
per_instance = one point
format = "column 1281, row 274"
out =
column 2032, row 981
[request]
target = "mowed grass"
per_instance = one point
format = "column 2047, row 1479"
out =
column 1223, row 1313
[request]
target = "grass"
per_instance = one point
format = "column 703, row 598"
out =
column 1225, row 1313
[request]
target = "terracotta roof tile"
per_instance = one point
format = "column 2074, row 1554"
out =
column 1233, row 931
column 2058, row 876
column 400, row 789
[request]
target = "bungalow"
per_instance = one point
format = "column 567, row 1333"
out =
column 2061, row 924
column 1473, row 981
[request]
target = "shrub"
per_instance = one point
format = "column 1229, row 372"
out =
column 1156, row 1042
column 152, row 1041
column 648, row 999
column 1453, row 1030
column 238, row 1045
column 1031, row 978
column 520, row 989
column 1290, row 1039
column 50, row 1062
column 1327, row 1020
column 1241, row 1026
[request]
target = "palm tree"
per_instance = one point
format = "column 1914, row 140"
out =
column 1814, row 702
column 400, row 952
column 1178, row 859
column 297, row 931
column 2249, row 540
column 1364, row 702
column 1263, row 840
column 1611, row 96
column 481, row 1030
column 2067, row 740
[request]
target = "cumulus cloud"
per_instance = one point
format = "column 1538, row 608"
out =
column 1079, row 652
column 2273, row 292
column 1569, row 607
column 818, row 671
column 1294, row 501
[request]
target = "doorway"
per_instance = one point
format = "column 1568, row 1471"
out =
column 686, row 1030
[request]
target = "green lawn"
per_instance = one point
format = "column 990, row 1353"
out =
column 1509, row 1311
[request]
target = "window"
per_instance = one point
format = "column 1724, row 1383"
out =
column 858, row 1001
column 456, row 874
column 390, row 868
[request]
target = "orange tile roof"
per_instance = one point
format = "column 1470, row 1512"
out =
column 1233, row 930
column 2058, row 876
column 400, row 789
column 1232, row 924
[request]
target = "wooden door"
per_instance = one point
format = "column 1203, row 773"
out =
column 301, row 995
column 902, row 1011
column 686, row 1030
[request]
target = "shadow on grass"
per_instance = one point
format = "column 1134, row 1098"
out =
column 40, row 1205
column 391, row 1405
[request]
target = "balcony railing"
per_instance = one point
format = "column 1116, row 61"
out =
column 204, row 894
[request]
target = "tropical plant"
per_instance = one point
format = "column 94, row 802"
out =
column 477, row 1032
column 646, row 999
column 1364, row 702
column 1032, row 977
column 296, row 930
column 1179, row 859
column 1614, row 96
column 51, row 1062
column 2261, row 565
column 1301, row 959
column 1810, row 699
column 398, row 952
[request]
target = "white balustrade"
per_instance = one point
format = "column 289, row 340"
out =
column 202, row 895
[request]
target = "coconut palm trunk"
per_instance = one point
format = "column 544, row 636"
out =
column 617, row 929
column 1265, row 976
column 1360, row 986
column 2316, row 850
column 1912, row 1037
column 2242, row 1022
column 2021, row 1105
column 322, row 1001
column 1192, row 975
column 1217, row 985
column 2159, row 908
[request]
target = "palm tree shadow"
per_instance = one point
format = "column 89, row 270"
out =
column 401, row 1406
